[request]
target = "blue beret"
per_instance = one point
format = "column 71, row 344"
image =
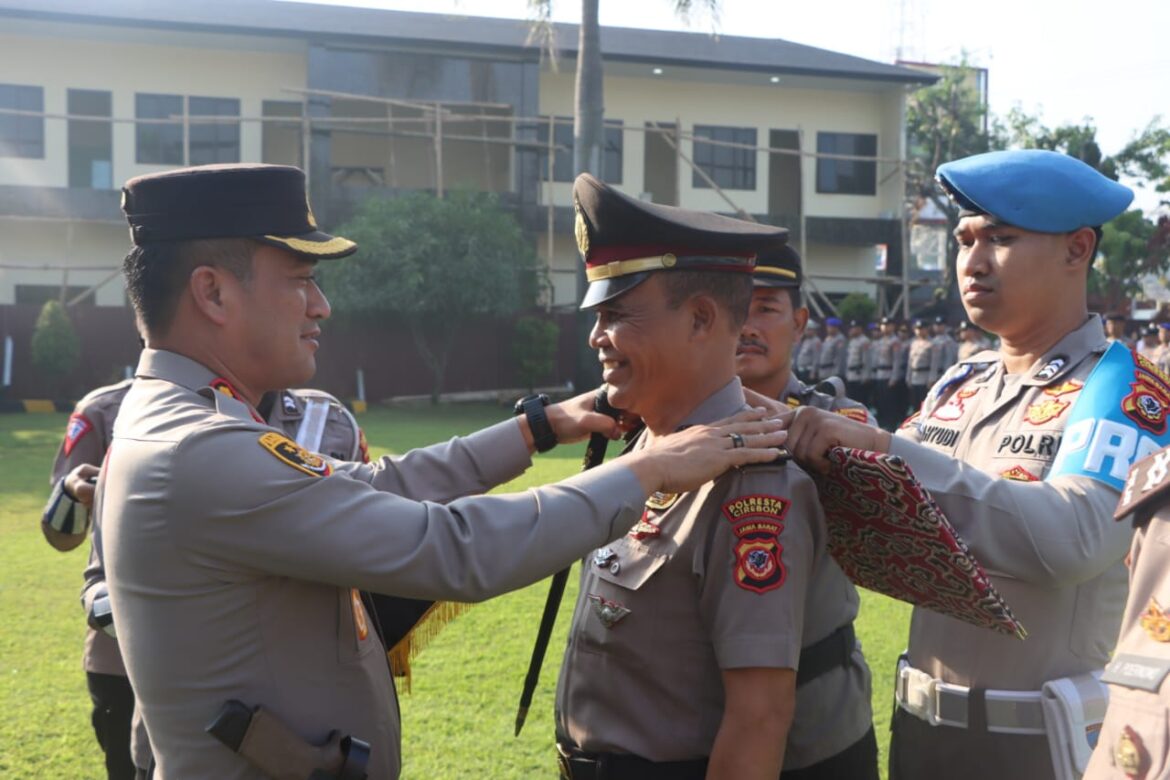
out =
column 1034, row 189
column 834, row 321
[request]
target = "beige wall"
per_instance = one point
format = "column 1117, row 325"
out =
column 209, row 66
column 81, row 254
column 637, row 100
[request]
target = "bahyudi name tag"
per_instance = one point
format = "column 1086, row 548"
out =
column 1137, row 671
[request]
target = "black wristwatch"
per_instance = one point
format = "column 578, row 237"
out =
column 532, row 407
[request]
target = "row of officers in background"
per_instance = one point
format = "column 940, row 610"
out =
column 1152, row 341
column 883, row 366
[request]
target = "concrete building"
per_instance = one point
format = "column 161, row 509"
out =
column 94, row 93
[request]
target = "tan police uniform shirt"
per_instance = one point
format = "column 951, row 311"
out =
column 831, row 361
column 885, row 357
column 87, row 435
column 710, row 580
column 921, row 363
column 808, row 356
column 231, row 555
column 969, row 349
column 857, row 359
column 1134, row 741
column 946, row 352
column 982, row 444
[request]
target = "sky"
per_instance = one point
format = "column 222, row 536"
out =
column 1064, row 60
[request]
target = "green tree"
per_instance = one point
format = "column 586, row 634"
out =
column 534, row 347
column 857, row 306
column 436, row 265
column 1131, row 247
column 589, row 118
column 55, row 345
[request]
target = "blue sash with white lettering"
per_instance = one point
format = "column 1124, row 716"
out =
column 1119, row 418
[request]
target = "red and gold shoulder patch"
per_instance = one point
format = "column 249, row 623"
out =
column 854, row 413
column 1148, row 401
column 757, row 521
column 77, row 427
column 288, row 451
column 1019, row 474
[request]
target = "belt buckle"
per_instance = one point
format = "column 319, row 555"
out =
column 917, row 692
column 960, row 694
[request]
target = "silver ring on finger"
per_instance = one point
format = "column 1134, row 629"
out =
column 736, row 441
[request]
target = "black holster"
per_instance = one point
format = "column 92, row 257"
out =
column 275, row 749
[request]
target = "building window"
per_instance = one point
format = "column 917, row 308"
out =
column 213, row 142
column 847, row 177
column 611, row 150
column 91, row 142
column 22, row 136
column 280, row 139
column 159, row 143
column 730, row 167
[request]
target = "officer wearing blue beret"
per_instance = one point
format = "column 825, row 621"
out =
column 973, row 704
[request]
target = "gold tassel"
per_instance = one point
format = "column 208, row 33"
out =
column 427, row 628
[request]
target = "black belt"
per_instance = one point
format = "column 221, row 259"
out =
column 575, row 765
column 826, row 655
column 856, row 368
column 884, row 368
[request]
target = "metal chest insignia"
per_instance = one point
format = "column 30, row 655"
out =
column 1019, row 474
column 645, row 529
column 1050, row 369
column 660, row 501
column 602, row 557
column 1156, row 622
column 1045, row 410
column 1130, row 756
column 610, row 613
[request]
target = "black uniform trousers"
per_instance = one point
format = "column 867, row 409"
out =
column 113, row 708
column 859, row 761
column 920, row 751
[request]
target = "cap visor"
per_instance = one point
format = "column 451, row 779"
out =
column 607, row 289
column 773, row 281
column 316, row 245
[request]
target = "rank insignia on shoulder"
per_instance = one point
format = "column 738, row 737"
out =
column 1019, row 474
column 1130, row 756
column 1045, row 410
column 854, row 413
column 1156, row 622
column 288, row 402
column 78, row 426
column 661, row 501
column 288, row 451
column 610, row 613
column 221, row 385
column 1050, row 369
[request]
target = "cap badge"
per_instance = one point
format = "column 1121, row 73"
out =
column 581, row 231
column 610, row 613
column 669, row 260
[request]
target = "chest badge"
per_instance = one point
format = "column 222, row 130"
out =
column 602, row 557
column 956, row 405
column 610, row 613
column 1020, row 474
column 645, row 529
column 1130, row 756
column 1156, row 622
column 1045, row 410
column 661, row 501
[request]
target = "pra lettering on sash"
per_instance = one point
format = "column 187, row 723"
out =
column 1110, row 447
column 288, row 451
column 759, row 565
column 1038, row 445
column 938, row 435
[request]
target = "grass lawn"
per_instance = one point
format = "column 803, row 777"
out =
column 457, row 721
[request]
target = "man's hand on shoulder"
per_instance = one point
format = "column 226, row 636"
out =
column 813, row 432
column 574, row 419
column 684, row 461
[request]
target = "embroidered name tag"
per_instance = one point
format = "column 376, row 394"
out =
column 1137, row 671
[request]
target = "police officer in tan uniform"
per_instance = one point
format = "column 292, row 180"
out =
column 1115, row 324
column 983, row 444
column 889, row 385
column 683, row 653
column 921, row 364
column 313, row 418
column 858, row 362
column 232, row 552
column 831, row 737
column 810, row 352
column 831, row 361
column 947, row 348
column 1133, row 741
column 65, row 523
column 972, row 341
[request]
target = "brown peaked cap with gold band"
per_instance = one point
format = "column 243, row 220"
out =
column 778, row 267
column 266, row 203
column 623, row 240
